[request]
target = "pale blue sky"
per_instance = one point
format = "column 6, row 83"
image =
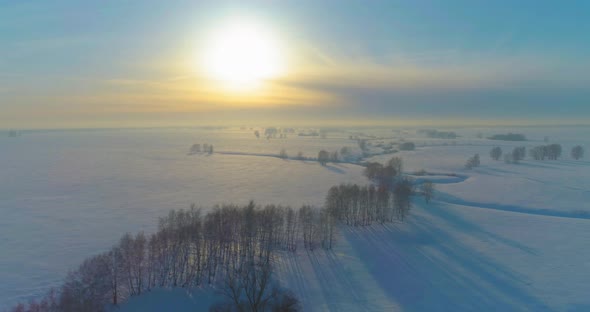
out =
column 113, row 63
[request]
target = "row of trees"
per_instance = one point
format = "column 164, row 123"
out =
column 362, row 205
column 384, row 175
column 517, row 154
column 551, row 152
column 189, row 249
column 196, row 148
column 324, row 157
column 508, row 137
column 541, row 152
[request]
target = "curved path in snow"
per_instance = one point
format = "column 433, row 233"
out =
column 451, row 178
column 273, row 156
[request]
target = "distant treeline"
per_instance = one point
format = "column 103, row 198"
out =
column 508, row 137
column 196, row 148
column 431, row 133
column 540, row 152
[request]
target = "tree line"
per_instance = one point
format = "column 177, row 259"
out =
column 189, row 249
column 356, row 205
column 541, row 152
column 206, row 148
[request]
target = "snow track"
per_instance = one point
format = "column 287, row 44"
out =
column 446, row 198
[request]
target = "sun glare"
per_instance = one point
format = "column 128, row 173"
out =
column 242, row 54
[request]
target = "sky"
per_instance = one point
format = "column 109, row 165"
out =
column 83, row 64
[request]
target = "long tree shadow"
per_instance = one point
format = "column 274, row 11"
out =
column 439, row 210
column 424, row 268
column 340, row 291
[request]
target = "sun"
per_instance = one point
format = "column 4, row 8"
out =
column 242, row 54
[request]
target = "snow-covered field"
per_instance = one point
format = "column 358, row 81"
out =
column 67, row 195
column 500, row 237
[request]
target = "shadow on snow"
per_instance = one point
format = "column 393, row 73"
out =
column 424, row 268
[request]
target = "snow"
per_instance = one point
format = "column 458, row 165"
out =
column 67, row 195
column 500, row 237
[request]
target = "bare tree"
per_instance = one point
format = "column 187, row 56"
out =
column 553, row 151
column 518, row 154
column 402, row 192
column 373, row 170
column 396, row 163
column 538, row 152
column 427, row 190
column 109, row 262
column 469, row 164
column 496, row 153
column 472, row 162
column 323, row 157
column 85, row 289
column 334, row 157
column 577, row 152
column 256, row 281
column 284, row 301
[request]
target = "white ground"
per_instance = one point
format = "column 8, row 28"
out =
column 497, row 238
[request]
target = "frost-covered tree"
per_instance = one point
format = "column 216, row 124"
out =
column 538, row 152
column 496, row 153
column 472, row 162
column 427, row 189
column 396, row 163
column 577, row 152
column 518, row 154
column 334, row 157
column 85, row 289
column 402, row 193
column 554, row 151
column 373, row 170
column 323, row 157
